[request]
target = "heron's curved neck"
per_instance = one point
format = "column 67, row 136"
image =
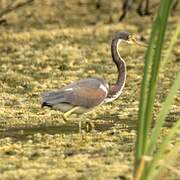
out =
column 121, row 66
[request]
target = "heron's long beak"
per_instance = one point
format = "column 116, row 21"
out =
column 140, row 43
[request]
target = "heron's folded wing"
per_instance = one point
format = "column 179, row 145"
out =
column 87, row 93
column 87, row 97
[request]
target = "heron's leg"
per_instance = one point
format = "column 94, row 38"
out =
column 89, row 126
column 139, row 10
column 125, row 8
column 66, row 114
column 147, row 8
column 80, row 126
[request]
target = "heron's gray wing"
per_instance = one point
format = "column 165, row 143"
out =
column 87, row 92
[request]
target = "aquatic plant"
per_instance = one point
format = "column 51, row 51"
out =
column 148, row 153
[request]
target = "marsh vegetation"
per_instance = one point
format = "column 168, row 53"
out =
column 49, row 44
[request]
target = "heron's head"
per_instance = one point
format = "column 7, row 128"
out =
column 127, row 37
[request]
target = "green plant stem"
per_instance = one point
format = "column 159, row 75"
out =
column 143, row 98
column 148, row 87
column 139, row 172
column 162, row 19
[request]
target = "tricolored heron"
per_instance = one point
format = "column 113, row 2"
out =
column 143, row 7
column 127, row 5
column 83, row 95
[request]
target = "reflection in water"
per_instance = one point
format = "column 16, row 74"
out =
column 22, row 133
column 68, row 128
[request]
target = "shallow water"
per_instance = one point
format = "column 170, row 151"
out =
column 51, row 48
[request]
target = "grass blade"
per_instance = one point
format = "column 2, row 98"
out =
column 143, row 96
column 161, row 117
column 172, row 43
column 152, row 169
column 170, row 157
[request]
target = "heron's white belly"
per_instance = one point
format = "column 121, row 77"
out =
column 64, row 107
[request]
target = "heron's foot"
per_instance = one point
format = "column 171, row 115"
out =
column 143, row 13
column 89, row 126
column 147, row 13
column 140, row 11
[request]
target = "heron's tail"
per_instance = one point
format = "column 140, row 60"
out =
column 45, row 104
column 52, row 98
